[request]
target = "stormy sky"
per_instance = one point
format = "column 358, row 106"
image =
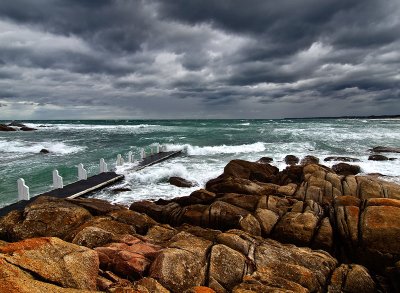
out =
column 104, row 59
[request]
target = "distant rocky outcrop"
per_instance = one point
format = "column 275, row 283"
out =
column 17, row 124
column 14, row 126
column 26, row 128
column 6, row 128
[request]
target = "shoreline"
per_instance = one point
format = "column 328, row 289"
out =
column 231, row 236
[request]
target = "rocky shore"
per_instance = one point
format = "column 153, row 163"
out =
column 254, row 228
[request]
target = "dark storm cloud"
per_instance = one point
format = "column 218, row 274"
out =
column 176, row 58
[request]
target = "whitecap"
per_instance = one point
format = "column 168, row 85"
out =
column 215, row 150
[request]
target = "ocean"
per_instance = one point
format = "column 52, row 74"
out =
column 208, row 145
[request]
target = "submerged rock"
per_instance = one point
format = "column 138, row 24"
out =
column 342, row 159
column 44, row 151
column 346, row 169
column 180, row 182
column 309, row 160
column 378, row 158
column 291, row 160
column 382, row 149
column 120, row 189
column 26, row 128
column 265, row 160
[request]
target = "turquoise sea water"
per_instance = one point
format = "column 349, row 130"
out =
column 208, row 145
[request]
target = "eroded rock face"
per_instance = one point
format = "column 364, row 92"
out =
column 52, row 260
column 351, row 278
column 104, row 223
column 131, row 259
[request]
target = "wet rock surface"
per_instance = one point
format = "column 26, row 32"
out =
column 253, row 229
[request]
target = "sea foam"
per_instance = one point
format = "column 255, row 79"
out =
column 18, row 146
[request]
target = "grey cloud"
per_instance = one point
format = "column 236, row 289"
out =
column 180, row 59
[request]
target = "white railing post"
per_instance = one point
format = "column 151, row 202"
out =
column 120, row 160
column 57, row 180
column 103, row 166
column 131, row 158
column 82, row 173
column 142, row 154
column 23, row 190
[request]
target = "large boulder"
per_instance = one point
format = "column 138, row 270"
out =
column 222, row 215
column 276, row 265
column 149, row 285
column 140, row 222
column 248, row 170
column 267, row 220
column 309, row 160
column 316, row 265
column 48, row 216
column 51, row 260
column 183, row 264
column 238, row 185
column 296, row 228
column 291, row 160
column 106, row 224
column 351, row 278
column 346, row 169
column 92, row 237
column 96, row 207
column 227, row 268
column 380, row 232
